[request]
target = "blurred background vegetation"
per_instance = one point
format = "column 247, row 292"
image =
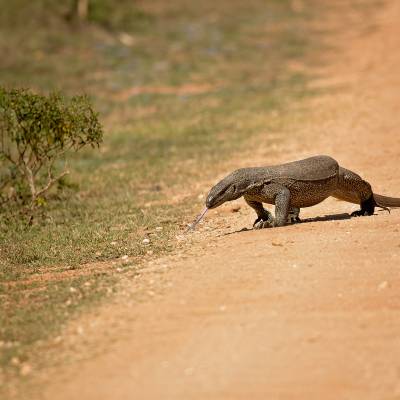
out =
column 176, row 83
column 180, row 86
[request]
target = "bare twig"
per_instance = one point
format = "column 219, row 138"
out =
column 31, row 181
column 50, row 183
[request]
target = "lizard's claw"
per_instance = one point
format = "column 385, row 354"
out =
column 260, row 223
column 360, row 213
column 293, row 216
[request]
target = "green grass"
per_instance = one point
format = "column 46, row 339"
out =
column 214, row 74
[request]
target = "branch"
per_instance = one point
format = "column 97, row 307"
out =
column 82, row 9
column 3, row 184
column 18, row 166
column 31, row 181
column 51, row 182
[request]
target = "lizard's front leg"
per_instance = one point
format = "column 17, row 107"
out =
column 263, row 215
column 282, row 203
column 281, row 196
column 293, row 215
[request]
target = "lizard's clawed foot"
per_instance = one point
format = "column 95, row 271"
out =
column 261, row 223
column 293, row 216
column 367, row 208
column 360, row 213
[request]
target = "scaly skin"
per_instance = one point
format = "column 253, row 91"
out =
column 295, row 185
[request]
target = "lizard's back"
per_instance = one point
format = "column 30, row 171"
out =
column 310, row 169
column 310, row 181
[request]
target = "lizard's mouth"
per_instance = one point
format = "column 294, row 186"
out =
column 217, row 200
column 214, row 204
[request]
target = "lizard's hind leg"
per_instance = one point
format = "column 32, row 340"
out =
column 352, row 188
column 293, row 215
column 367, row 208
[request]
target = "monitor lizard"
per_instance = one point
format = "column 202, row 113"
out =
column 292, row 186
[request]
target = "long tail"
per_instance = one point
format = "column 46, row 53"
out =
column 384, row 201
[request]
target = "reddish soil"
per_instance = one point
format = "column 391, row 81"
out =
column 309, row 311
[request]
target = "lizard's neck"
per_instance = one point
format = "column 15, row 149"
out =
column 248, row 178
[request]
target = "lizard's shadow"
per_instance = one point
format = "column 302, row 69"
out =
column 331, row 217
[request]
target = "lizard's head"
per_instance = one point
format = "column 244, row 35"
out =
column 230, row 188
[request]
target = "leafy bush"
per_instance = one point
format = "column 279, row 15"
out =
column 35, row 132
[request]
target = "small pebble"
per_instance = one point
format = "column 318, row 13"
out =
column 146, row 241
column 189, row 371
column 25, row 370
column 57, row 339
column 383, row 285
column 14, row 361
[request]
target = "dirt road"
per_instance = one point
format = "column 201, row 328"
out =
column 310, row 311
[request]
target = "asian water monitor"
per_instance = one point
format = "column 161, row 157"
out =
column 294, row 185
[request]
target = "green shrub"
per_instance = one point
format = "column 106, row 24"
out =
column 35, row 132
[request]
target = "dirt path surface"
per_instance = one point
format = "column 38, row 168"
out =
column 310, row 311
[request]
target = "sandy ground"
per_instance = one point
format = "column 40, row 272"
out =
column 309, row 311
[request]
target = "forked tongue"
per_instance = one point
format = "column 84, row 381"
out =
column 197, row 220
